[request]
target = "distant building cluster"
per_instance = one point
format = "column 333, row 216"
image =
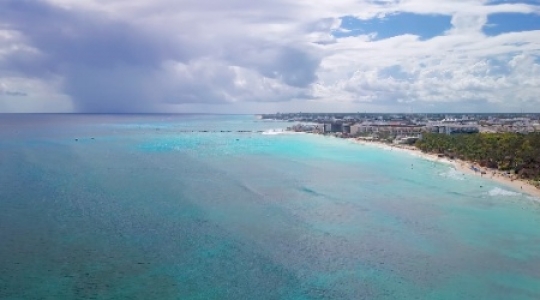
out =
column 407, row 128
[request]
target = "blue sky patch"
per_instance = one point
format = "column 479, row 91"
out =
column 530, row 2
column 424, row 26
column 511, row 22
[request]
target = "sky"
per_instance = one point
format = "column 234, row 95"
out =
column 245, row 56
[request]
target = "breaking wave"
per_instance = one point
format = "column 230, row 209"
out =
column 453, row 174
column 279, row 131
column 535, row 199
column 502, row 192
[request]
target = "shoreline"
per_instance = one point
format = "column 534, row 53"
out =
column 464, row 167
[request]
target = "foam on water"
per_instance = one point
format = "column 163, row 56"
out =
column 279, row 131
column 453, row 173
column 497, row 191
column 535, row 199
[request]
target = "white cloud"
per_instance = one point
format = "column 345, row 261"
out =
column 140, row 55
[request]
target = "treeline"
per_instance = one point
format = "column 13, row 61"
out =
column 514, row 152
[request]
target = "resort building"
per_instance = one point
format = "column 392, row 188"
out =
column 453, row 129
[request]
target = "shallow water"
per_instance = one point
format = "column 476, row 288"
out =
column 141, row 207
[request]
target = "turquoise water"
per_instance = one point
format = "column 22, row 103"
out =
column 141, row 207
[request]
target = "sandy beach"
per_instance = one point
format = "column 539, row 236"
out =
column 462, row 166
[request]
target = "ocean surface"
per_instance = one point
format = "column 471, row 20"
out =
column 151, row 207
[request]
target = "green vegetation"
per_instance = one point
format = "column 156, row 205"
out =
column 513, row 152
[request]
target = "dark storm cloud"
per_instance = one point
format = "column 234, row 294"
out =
column 295, row 67
column 70, row 37
column 103, row 62
column 109, row 65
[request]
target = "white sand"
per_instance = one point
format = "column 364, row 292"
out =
column 462, row 166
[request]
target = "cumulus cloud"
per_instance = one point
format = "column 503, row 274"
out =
column 148, row 56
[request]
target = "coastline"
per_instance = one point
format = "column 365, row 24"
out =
column 464, row 167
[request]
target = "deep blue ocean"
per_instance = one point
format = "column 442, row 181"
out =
column 150, row 207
